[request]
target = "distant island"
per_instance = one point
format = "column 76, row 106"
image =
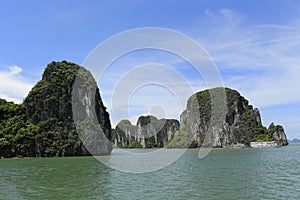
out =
column 242, row 126
column 43, row 125
column 294, row 140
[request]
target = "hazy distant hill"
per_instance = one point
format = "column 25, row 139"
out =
column 295, row 140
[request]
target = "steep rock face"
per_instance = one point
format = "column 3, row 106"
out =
column 241, row 124
column 148, row 133
column 49, row 106
column 277, row 132
column 124, row 133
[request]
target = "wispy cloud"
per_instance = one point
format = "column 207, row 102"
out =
column 259, row 60
column 270, row 52
column 13, row 86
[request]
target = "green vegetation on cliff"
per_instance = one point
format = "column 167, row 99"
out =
column 200, row 126
column 239, row 123
column 43, row 124
column 17, row 135
column 135, row 144
column 181, row 140
column 149, row 132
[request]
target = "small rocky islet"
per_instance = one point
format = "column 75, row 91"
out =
column 43, row 125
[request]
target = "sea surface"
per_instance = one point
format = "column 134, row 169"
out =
column 265, row 173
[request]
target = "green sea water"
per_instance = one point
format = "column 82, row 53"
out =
column 266, row 173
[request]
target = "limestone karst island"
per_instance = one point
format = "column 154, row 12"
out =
column 43, row 125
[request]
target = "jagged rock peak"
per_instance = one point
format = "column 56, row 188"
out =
column 49, row 106
column 149, row 132
column 240, row 124
column 277, row 132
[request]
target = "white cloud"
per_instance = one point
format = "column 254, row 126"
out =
column 13, row 87
column 265, row 55
column 259, row 60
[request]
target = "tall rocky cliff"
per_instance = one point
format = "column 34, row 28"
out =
column 148, row 133
column 62, row 116
column 241, row 124
column 49, row 107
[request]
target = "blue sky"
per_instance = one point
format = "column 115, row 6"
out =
column 255, row 45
